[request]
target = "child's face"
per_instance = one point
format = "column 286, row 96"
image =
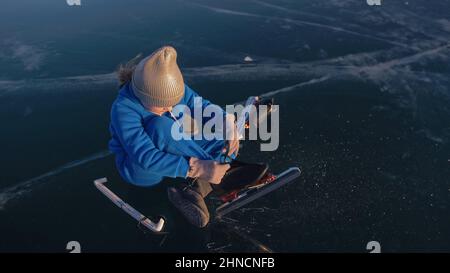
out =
column 159, row 110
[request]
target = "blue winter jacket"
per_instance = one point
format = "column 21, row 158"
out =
column 138, row 159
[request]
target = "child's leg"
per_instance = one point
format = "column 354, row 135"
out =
column 202, row 187
column 160, row 131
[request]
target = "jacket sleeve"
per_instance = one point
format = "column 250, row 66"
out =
column 141, row 149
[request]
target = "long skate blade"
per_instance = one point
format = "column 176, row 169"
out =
column 252, row 194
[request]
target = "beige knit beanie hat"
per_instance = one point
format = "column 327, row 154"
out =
column 157, row 80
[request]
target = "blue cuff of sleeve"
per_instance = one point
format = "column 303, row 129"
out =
column 182, row 168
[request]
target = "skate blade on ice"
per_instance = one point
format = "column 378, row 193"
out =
column 156, row 228
column 250, row 194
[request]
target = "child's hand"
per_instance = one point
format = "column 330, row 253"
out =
column 234, row 146
column 231, row 136
column 208, row 170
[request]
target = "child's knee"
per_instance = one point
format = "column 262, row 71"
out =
column 158, row 127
